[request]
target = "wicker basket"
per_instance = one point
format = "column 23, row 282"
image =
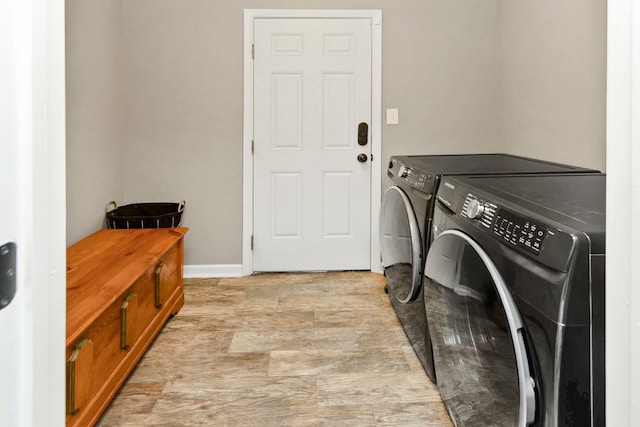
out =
column 144, row 215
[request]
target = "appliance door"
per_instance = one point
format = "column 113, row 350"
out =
column 401, row 246
column 477, row 335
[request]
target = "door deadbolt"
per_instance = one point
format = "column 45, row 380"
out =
column 363, row 133
column 362, row 157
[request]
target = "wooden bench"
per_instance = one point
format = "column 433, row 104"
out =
column 122, row 286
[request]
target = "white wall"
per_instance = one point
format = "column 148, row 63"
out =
column 95, row 172
column 552, row 74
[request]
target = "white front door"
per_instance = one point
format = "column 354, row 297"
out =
column 312, row 168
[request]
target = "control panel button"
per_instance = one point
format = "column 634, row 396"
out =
column 519, row 232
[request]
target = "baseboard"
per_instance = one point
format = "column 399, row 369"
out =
column 212, row 270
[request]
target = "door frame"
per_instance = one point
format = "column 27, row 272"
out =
column 250, row 15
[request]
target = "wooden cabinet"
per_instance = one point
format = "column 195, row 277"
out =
column 122, row 286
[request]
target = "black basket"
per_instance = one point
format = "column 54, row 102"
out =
column 144, row 215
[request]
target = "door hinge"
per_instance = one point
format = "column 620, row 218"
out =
column 253, row 51
column 7, row 273
column 252, row 146
column 252, row 242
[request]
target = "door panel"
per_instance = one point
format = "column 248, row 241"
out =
column 338, row 111
column 312, row 197
column 286, row 205
column 337, row 204
column 286, row 90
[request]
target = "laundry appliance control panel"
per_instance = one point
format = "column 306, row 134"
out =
column 412, row 176
column 512, row 228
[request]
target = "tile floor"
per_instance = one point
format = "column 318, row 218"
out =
column 316, row 349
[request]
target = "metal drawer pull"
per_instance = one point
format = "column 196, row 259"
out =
column 71, row 377
column 158, row 270
column 123, row 321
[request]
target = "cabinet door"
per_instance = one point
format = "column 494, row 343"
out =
column 79, row 365
column 141, row 311
column 167, row 276
column 93, row 365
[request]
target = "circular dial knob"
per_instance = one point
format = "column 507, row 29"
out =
column 475, row 209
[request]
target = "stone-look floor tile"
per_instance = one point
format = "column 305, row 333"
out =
column 430, row 414
column 333, row 303
column 269, row 279
column 109, row 419
column 193, row 283
column 322, row 362
column 314, row 416
column 243, row 307
column 257, row 321
column 254, row 396
column 373, row 284
column 180, row 322
column 137, row 397
column 294, row 289
column 215, row 294
column 189, row 346
column 374, row 319
column 302, row 388
column 213, row 366
column 281, row 416
column 305, row 339
column 397, row 387
column 381, row 337
column 319, row 349
column 330, row 416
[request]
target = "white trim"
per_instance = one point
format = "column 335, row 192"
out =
column 247, row 137
column 376, row 135
column 376, row 121
column 212, row 270
column 623, row 213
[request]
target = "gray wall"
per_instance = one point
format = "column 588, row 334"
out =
column 95, row 169
column 458, row 71
column 552, row 70
column 183, row 81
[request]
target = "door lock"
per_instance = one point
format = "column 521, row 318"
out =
column 363, row 133
column 362, row 157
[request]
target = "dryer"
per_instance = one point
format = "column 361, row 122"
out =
column 514, row 292
column 405, row 226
